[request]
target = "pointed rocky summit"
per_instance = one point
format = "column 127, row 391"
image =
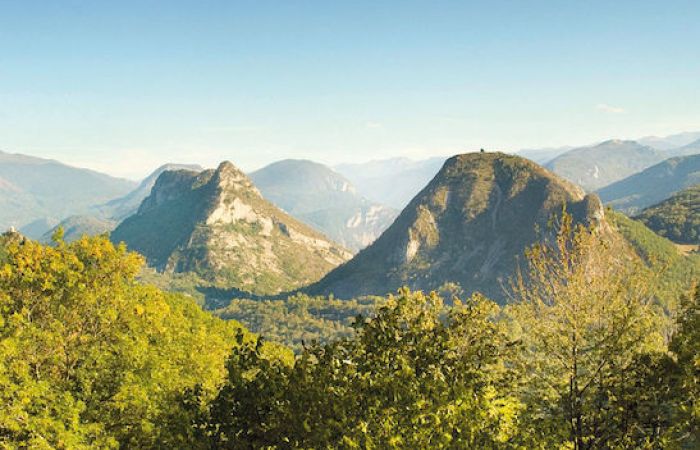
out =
column 469, row 225
column 216, row 224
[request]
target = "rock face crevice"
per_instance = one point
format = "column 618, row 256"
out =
column 469, row 225
column 217, row 225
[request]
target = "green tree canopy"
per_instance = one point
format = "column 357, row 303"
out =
column 410, row 378
column 91, row 359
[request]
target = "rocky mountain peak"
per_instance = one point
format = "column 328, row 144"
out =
column 227, row 170
column 469, row 225
column 216, row 225
column 171, row 185
column 230, row 179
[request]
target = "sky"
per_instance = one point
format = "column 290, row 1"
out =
column 122, row 86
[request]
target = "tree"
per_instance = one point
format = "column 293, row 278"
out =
column 406, row 380
column 685, row 346
column 89, row 358
column 584, row 309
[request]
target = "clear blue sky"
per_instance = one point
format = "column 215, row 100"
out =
column 124, row 86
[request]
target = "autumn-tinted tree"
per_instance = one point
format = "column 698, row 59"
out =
column 584, row 308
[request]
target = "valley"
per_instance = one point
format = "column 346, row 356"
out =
column 296, row 226
column 222, row 283
column 314, row 225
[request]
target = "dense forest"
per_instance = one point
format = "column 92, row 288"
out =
column 584, row 355
column 677, row 218
column 300, row 319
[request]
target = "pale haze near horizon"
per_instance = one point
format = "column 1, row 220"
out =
column 124, row 87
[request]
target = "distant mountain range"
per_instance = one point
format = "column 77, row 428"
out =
column 75, row 227
column 120, row 208
column 692, row 148
column 392, row 182
column 395, row 181
column 307, row 190
column 670, row 142
column 103, row 218
column 468, row 225
column 37, row 193
column 324, row 199
column 597, row 166
column 674, row 143
column 467, row 220
column 652, row 185
column 542, row 155
column 216, row 225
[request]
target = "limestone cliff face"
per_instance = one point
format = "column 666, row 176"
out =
column 469, row 225
column 216, row 224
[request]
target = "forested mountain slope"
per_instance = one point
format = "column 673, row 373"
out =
column 676, row 218
column 652, row 185
column 675, row 271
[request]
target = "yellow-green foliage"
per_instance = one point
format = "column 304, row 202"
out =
column 91, row 359
column 578, row 361
column 300, row 319
column 408, row 379
column 685, row 347
column 585, row 310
